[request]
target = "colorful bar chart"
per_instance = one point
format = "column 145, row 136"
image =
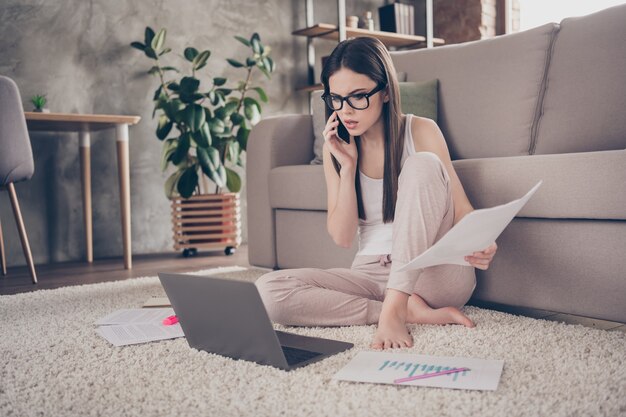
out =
column 419, row 369
column 385, row 368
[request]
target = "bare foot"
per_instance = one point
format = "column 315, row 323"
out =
column 392, row 331
column 418, row 311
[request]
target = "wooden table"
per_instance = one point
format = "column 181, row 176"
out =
column 84, row 124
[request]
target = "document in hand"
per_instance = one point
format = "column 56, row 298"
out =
column 475, row 232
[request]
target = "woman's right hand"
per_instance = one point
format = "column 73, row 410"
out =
column 345, row 153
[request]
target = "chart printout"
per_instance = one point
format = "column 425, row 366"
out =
column 385, row 368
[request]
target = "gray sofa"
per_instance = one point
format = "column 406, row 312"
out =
column 548, row 103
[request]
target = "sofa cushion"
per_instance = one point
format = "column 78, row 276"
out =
column 589, row 185
column 575, row 186
column 488, row 90
column 585, row 97
column 419, row 99
column 298, row 187
column 302, row 241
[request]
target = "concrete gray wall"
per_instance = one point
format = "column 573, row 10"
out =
column 78, row 53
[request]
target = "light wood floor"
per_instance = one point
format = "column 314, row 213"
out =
column 78, row 273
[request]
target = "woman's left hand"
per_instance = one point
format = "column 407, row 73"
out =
column 481, row 260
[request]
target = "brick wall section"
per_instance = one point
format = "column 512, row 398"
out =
column 459, row 21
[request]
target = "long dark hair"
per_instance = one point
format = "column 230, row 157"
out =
column 368, row 56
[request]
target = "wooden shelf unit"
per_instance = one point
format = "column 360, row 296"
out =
column 328, row 31
column 341, row 32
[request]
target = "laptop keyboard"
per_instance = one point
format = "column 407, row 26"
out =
column 295, row 355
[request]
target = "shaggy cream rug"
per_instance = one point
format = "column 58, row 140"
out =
column 53, row 363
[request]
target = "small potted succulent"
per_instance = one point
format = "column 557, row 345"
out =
column 39, row 101
column 204, row 131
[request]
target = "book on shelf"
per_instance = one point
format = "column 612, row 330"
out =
column 398, row 18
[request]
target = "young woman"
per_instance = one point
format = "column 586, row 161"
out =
column 393, row 183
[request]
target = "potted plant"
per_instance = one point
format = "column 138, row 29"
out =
column 39, row 101
column 211, row 125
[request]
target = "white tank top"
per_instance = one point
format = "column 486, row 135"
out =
column 374, row 235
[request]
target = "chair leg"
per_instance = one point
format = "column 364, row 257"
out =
column 20, row 226
column 3, row 260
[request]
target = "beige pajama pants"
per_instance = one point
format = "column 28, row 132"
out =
column 353, row 296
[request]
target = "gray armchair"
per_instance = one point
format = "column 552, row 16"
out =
column 16, row 160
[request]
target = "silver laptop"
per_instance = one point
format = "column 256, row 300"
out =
column 227, row 317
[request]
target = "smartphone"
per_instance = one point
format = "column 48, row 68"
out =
column 342, row 132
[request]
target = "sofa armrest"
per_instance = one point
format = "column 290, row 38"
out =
column 273, row 142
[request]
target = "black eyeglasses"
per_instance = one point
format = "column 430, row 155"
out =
column 358, row 101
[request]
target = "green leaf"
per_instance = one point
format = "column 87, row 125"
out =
column 169, row 69
column 216, row 126
column 233, row 181
column 225, row 134
column 153, row 70
column 150, row 53
column 249, row 101
column 188, row 182
column 225, row 111
column 230, row 107
column 207, row 113
column 264, row 70
column 190, row 98
column 190, row 53
column 262, row 94
column 212, row 166
column 256, row 45
column 200, row 60
column 252, row 114
column 202, row 136
column 172, row 108
column 220, row 113
column 267, row 64
column 218, row 98
column 234, row 63
column 173, row 86
column 148, row 36
column 242, row 137
column 165, row 51
column 236, row 118
column 189, row 84
column 138, row 45
column 164, row 127
column 271, row 67
column 157, row 93
column 193, row 116
column 250, row 62
column 243, row 40
column 169, row 146
column 158, row 40
column 171, row 183
column 223, row 91
column 254, row 36
column 219, row 81
column 233, row 151
column 184, row 143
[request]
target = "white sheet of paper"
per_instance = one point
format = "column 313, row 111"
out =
column 136, row 316
column 132, row 334
column 475, row 232
column 384, row 368
column 157, row 302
